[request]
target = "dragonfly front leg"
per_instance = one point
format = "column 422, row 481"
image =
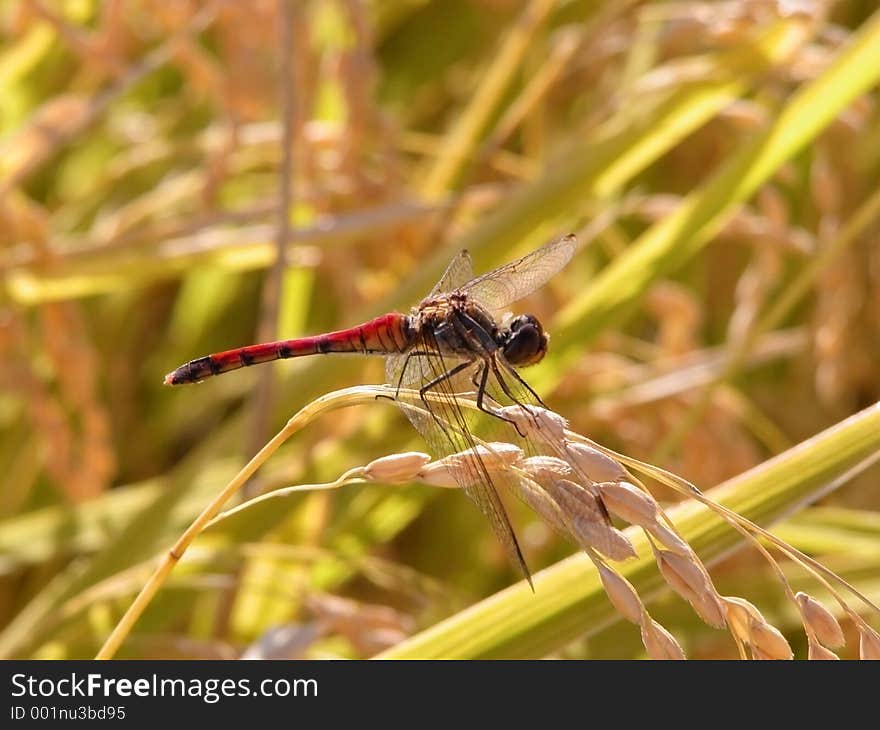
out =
column 512, row 370
column 483, row 375
column 503, row 383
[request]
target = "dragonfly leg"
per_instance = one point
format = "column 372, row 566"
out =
column 483, row 374
column 413, row 353
column 503, row 383
column 451, row 373
column 510, row 369
column 471, row 331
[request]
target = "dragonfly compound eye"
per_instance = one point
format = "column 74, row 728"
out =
column 526, row 343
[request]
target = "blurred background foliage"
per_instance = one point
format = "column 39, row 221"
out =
column 724, row 308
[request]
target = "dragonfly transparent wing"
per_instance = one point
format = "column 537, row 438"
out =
column 503, row 286
column 459, row 272
column 450, row 431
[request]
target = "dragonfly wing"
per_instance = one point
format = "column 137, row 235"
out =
column 459, row 272
column 450, row 431
column 503, row 286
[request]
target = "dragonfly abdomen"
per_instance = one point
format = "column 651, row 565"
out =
column 385, row 335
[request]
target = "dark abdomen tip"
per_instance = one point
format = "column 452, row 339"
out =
column 191, row 372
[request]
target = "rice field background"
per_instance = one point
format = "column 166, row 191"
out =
column 718, row 161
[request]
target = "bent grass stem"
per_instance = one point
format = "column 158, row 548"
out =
column 337, row 399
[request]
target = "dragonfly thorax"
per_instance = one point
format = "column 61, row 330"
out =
column 523, row 341
column 458, row 325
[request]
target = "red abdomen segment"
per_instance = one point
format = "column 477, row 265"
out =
column 385, row 335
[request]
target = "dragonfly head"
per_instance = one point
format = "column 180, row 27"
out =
column 524, row 342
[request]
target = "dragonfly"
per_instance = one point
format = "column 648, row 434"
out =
column 458, row 340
